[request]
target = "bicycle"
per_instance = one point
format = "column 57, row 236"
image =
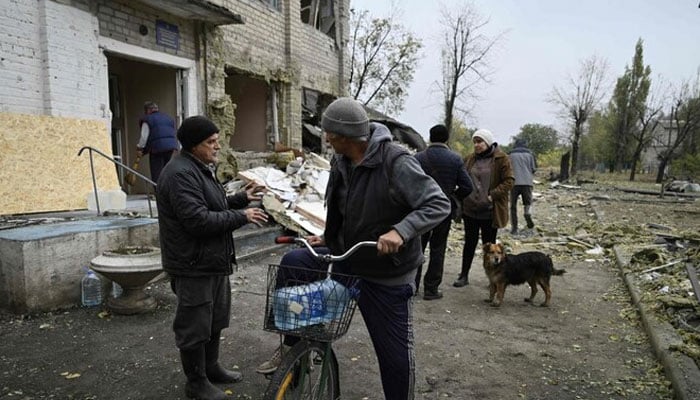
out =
column 317, row 312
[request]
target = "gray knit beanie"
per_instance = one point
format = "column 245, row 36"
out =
column 346, row 116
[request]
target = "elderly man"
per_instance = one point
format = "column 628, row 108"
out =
column 196, row 222
column 157, row 138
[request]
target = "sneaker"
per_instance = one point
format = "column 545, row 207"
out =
column 273, row 363
column 432, row 295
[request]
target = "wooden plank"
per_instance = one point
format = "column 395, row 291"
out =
column 693, row 275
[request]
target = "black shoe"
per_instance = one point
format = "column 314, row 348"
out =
column 530, row 224
column 432, row 295
column 461, row 281
column 514, row 231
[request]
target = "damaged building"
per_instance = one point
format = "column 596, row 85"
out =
column 76, row 73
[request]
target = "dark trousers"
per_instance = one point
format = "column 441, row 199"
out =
column 157, row 162
column 525, row 192
column 388, row 315
column 437, row 238
column 471, row 239
column 203, row 309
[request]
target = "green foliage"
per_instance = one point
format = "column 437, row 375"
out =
column 596, row 145
column 461, row 138
column 384, row 56
column 540, row 138
column 627, row 102
column 551, row 159
column 687, row 167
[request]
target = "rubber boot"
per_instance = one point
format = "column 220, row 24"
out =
column 215, row 372
column 198, row 386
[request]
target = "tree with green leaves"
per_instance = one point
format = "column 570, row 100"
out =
column 383, row 56
column 627, row 101
column 540, row 138
column 596, row 145
column 649, row 117
column 465, row 59
column 578, row 99
column 461, row 138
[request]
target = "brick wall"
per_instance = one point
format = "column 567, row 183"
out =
column 276, row 45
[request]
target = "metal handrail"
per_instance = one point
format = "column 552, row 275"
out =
column 118, row 163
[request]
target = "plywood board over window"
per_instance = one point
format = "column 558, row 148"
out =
column 40, row 169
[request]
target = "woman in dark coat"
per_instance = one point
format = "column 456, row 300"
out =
column 486, row 208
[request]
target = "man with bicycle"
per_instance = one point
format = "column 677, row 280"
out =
column 376, row 192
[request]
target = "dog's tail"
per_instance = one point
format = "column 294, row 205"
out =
column 558, row 272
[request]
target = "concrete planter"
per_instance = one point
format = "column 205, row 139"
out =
column 132, row 267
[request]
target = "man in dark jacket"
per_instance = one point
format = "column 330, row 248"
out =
column 524, row 166
column 447, row 168
column 157, row 138
column 196, row 223
column 377, row 192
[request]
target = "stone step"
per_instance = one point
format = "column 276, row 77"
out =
column 252, row 241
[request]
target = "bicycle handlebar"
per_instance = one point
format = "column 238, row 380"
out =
column 324, row 257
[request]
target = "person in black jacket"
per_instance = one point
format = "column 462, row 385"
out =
column 196, row 222
column 376, row 192
column 447, row 168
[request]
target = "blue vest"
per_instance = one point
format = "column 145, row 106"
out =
column 161, row 136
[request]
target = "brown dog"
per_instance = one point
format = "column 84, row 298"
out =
column 532, row 267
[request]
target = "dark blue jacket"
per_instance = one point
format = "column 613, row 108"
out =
column 161, row 133
column 447, row 168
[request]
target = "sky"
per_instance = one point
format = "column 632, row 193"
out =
column 543, row 44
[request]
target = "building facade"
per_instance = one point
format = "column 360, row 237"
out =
column 76, row 73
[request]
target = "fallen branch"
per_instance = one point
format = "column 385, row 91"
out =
column 661, row 266
column 581, row 242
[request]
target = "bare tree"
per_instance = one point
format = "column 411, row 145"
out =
column 384, row 56
column 579, row 98
column 649, row 116
column 684, row 121
column 464, row 56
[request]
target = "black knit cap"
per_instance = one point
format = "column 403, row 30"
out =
column 439, row 134
column 194, row 130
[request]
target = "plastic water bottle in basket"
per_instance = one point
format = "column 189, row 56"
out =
column 311, row 304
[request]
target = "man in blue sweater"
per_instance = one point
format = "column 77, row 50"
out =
column 447, row 169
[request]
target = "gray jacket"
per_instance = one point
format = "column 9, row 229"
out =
column 523, row 164
column 387, row 190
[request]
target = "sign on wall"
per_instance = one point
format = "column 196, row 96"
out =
column 167, row 35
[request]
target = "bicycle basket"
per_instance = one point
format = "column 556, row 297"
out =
column 309, row 304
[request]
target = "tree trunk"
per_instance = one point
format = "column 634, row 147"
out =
column 574, row 147
column 564, row 167
column 662, row 169
column 634, row 168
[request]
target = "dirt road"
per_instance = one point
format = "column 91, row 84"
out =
column 587, row 345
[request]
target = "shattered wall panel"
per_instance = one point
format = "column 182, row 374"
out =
column 39, row 165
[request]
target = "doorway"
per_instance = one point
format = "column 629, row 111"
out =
column 131, row 84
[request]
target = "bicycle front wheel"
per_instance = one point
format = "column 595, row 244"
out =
column 306, row 372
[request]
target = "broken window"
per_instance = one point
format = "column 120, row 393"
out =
column 273, row 3
column 319, row 14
